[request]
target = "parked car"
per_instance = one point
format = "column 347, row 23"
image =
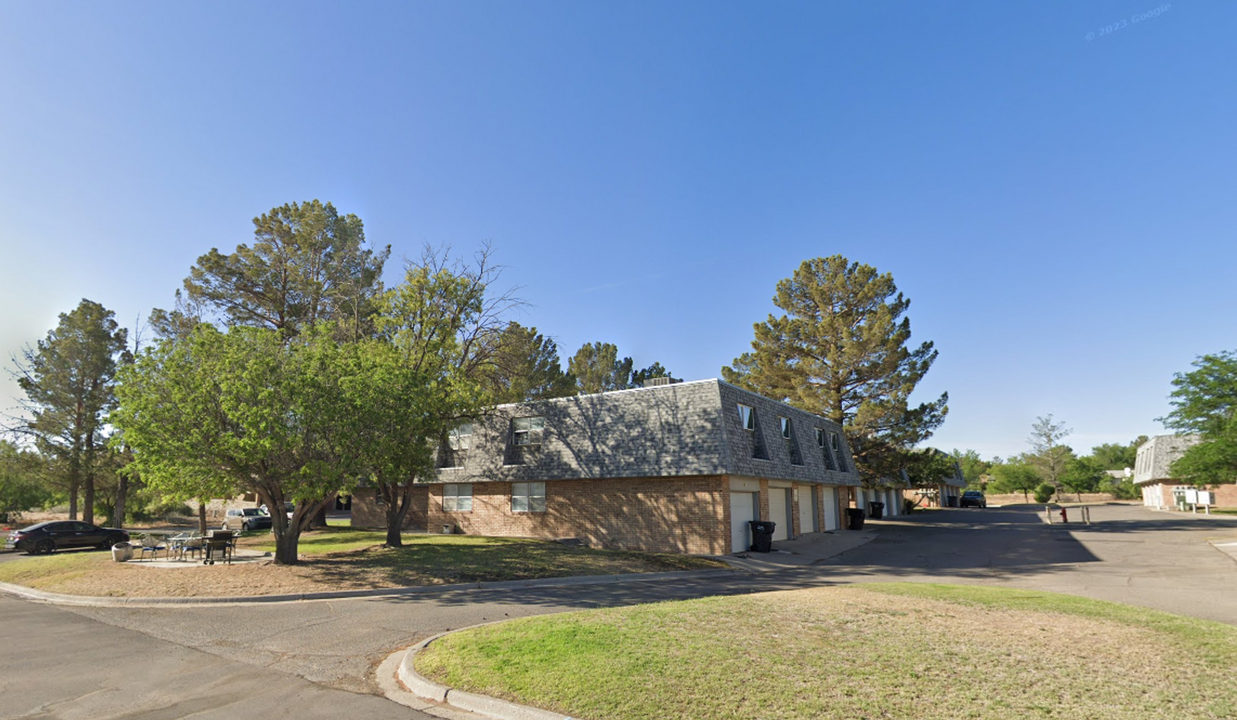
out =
column 246, row 519
column 46, row 537
column 973, row 498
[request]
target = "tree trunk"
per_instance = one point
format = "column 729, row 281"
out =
column 73, row 498
column 88, row 500
column 398, row 502
column 122, row 494
column 202, row 516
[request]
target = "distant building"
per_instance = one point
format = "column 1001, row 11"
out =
column 1152, row 472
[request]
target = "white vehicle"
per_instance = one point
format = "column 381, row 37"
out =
column 246, row 519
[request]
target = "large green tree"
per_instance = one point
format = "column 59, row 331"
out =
column 1014, row 476
column 842, row 350
column 423, row 376
column 974, row 468
column 597, row 368
column 307, row 264
column 526, row 366
column 69, row 382
column 1115, row 456
column 1204, row 403
column 217, row 414
column 1048, row 454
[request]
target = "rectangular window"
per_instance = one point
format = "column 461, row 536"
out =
column 528, row 497
column 837, row 451
column 747, row 417
column 457, row 497
column 785, row 423
column 460, row 438
column 820, row 437
column 527, row 430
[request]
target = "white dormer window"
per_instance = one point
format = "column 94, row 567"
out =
column 460, row 438
column 527, row 430
column 785, row 423
column 747, row 417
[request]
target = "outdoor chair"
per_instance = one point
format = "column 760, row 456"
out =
column 151, row 545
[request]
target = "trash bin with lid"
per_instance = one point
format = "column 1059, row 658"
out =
column 854, row 517
column 876, row 509
column 122, row 552
column 762, row 535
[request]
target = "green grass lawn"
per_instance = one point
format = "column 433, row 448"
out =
column 347, row 555
column 339, row 559
column 869, row 651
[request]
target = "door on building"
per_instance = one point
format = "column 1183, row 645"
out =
column 779, row 512
column 831, row 507
column 807, row 518
column 743, row 507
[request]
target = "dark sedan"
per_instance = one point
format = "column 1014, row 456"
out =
column 973, row 498
column 46, row 537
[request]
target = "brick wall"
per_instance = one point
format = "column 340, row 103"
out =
column 684, row 515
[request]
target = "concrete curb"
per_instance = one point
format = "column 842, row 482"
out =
column 423, row 689
column 428, row 590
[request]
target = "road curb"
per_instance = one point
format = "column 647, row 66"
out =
column 427, row 590
column 428, row 690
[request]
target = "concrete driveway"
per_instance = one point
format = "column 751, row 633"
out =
column 1129, row 554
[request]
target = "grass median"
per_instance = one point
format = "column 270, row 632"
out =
column 867, row 651
column 338, row 559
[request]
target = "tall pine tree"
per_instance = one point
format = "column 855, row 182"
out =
column 841, row 351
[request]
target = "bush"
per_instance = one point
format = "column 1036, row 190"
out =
column 1044, row 492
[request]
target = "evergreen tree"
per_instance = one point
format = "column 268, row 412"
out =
column 841, row 351
column 597, row 368
column 69, row 382
column 526, row 366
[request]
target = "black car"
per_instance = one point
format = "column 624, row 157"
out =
column 46, row 537
column 973, row 498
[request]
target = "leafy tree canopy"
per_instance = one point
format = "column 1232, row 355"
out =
column 1204, row 403
column 974, row 468
column 1114, row 456
column 307, row 264
column 1015, row 476
column 842, row 350
column 597, row 368
column 526, row 366
column 221, row 413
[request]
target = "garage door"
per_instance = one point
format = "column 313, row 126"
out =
column 742, row 510
column 779, row 512
column 807, row 518
column 831, row 507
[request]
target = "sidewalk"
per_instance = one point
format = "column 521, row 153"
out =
column 810, row 549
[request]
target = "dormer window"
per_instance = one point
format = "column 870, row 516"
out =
column 747, row 417
column 820, row 437
column 785, row 424
column 836, row 446
column 460, row 438
column 527, row 431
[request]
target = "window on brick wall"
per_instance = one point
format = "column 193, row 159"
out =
column 457, row 497
column 528, row 497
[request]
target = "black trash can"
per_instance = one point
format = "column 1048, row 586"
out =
column 854, row 517
column 876, row 510
column 762, row 535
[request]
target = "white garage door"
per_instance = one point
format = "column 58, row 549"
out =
column 742, row 510
column 779, row 512
column 807, row 518
column 831, row 507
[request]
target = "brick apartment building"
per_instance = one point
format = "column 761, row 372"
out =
column 674, row 467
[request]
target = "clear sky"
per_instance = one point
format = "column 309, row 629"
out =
column 1057, row 201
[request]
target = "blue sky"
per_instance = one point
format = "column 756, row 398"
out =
column 1060, row 210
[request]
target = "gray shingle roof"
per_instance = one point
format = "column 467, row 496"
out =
column 679, row 430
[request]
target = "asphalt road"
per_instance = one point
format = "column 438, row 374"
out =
column 318, row 655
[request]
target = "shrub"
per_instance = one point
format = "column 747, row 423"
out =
column 1044, row 492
